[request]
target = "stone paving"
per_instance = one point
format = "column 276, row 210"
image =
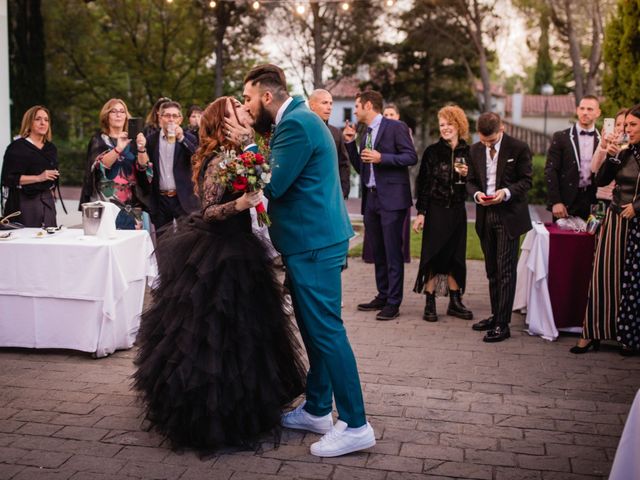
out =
column 443, row 405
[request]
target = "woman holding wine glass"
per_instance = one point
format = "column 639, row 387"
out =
column 440, row 190
column 612, row 313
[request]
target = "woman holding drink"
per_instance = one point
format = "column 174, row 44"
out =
column 440, row 191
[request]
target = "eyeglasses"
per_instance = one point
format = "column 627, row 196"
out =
column 117, row 112
column 173, row 116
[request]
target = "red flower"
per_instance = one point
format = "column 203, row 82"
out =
column 240, row 184
column 259, row 159
column 247, row 162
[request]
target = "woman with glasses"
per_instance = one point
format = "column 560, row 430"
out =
column 612, row 311
column 30, row 171
column 116, row 167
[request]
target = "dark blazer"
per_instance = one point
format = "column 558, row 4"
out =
column 344, row 168
column 181, row 170
column 562, row 170
column 514, row 173
column 392, row 173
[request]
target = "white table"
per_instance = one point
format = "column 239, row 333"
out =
column 626, row 464
column 532, row 288
column 68, row 290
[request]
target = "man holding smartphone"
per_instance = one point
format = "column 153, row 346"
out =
column 498, row 180
column 170, row 150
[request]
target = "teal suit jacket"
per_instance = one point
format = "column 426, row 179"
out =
column 305, row 198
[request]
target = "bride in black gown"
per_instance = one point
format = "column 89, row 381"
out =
column 217, row 360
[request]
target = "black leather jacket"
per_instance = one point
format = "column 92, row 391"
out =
column 437, row 177
column 627, row 177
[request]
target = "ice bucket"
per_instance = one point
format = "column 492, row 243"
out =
column 91, row 215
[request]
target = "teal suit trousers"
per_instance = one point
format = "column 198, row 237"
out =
column 316, row 288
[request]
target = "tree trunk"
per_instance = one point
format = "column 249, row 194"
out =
column 222, row 23
column 595, row 59
column 574, row 53
column 318, row 47
column 26, row 53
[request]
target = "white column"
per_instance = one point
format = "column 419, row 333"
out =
column 5, row 97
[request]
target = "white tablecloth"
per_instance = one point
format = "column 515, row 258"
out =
column 626, row 464
column 532, row 289
column 67, row 290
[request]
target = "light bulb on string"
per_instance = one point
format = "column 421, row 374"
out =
column 300, row 9
column 345, row 6
column 255, row 5
column 212, row 4
column 390, row 3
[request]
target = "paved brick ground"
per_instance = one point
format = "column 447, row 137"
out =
column 443, row 405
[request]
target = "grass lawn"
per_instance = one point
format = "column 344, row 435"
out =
column 474, row 252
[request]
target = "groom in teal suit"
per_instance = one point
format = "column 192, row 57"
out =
column 311, row 229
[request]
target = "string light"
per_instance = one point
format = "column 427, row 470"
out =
column 390, row 3
column 212, row 4
column 345, row 6
column 300, row 9
column 256, row 5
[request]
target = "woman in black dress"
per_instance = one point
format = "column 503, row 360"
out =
column 30, row 171
column 217, row 360
column 440, row 191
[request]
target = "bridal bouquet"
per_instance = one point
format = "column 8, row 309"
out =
column 246, row 172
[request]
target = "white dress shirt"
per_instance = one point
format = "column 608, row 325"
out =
column 586, row 143
column 492, row 171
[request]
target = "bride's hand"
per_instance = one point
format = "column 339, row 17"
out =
column 237, row 133
column 249, row 200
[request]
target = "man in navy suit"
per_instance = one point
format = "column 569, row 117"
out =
column 386, row 151
column 170, row 150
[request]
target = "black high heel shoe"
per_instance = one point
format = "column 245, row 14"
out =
column 593, row 343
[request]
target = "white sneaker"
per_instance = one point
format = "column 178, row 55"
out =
column 300, row 419
column 342, row 440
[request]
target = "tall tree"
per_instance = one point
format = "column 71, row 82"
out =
column 321, row 37
column 26, row 57
column 580, row 25
column 544, row 66
column 622, row 56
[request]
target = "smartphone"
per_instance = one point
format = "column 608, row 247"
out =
column 608, row 126
column 135, row 126
column 485, row 198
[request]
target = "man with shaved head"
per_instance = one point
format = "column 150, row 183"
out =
column 321, row 103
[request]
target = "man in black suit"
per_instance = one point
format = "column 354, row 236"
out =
column 170, row 150
column 321, row 103
column 386, row 151
column 567, row 172
column 498, row 180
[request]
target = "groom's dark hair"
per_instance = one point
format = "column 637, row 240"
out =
column 269, row 77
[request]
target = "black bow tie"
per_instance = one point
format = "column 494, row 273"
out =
column 591, row 133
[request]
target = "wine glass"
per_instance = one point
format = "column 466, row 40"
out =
column 623, row 143
column 458, row 164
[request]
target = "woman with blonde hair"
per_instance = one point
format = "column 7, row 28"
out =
column 30, row 171
column 217, row 361
column 115, row 167
column 440, row 191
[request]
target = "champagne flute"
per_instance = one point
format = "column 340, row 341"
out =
column 458, row 165
column 623, row 143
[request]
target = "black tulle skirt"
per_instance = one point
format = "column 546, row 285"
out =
column 218, row 360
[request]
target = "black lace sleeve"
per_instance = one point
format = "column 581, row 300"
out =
column 212, row 192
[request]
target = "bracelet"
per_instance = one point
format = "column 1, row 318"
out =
column 115, row 149
column 142, row 151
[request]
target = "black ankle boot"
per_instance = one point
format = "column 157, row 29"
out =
column 430, row 308
column 456, row 308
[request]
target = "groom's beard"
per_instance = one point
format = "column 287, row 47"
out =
column 263, row 121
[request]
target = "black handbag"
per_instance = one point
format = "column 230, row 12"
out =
column 5, row 224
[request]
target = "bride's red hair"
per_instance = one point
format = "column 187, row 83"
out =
column 212, row 137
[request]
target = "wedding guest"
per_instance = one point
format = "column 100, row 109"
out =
column 567, row 171
column 152, row 122
column 391, row 111
column 170, row 150
column 386, row 152
column 117, row 171
column 194, row 114
column 608, row 266
column 441, row 192
column 605, row 193
column 30, row 171
column 498, row 180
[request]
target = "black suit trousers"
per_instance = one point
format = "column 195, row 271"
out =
column 501, row 261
